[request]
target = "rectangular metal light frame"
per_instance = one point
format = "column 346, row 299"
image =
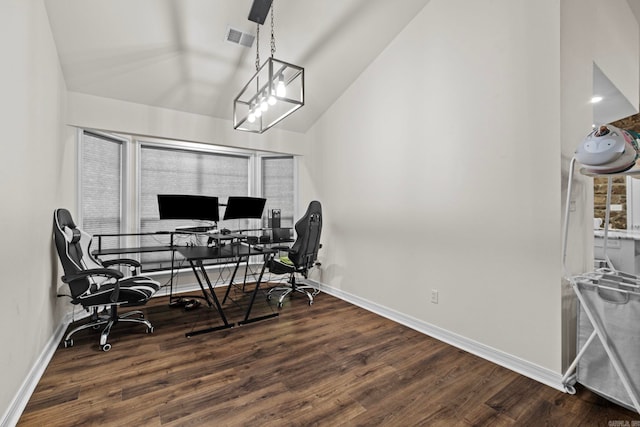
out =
column 268, row 75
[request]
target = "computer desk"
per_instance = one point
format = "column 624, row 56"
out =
column 195, row 255
column 219, row 239
column 226, row 246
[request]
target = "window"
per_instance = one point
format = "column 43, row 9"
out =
column 173, row 171
column 121, row 178
column 278, row 187
column 101, row 184
column 170, row 171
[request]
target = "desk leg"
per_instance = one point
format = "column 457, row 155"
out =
column 204, row 292
column 253, row 298
column 215, row 300
column 233, row 277
column 173, row 260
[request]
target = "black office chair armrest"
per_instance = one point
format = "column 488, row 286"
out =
column 121, row 261
column 107, row 272
column 281, row 248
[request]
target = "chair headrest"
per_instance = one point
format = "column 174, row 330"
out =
column 72, row 235
column 64, row 219
column 66, row 226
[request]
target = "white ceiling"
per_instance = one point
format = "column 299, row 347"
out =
column 614, row 105
column 173, row 53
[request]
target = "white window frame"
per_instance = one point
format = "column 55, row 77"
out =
column 130, row 179
column 124, row 176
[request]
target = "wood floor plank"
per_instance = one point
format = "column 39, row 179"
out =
column 329, row 364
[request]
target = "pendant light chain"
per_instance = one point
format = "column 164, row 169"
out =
column 273, row 37
column 257, row 47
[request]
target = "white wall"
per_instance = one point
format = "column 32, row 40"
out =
column 448, row 155
column 36, row 176
column 113, row 115
column 439, row 168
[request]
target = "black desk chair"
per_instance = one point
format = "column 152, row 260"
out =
column 95, row 285
column 301, row 257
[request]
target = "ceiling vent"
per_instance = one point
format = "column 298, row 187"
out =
column 236, row 36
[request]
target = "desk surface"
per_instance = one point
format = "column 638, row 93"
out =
column 132, row 250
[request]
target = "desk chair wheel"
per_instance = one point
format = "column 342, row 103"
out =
column 150, row 330
column 68, row 343
column 105, row 347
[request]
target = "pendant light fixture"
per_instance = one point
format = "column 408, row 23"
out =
column 274, row 92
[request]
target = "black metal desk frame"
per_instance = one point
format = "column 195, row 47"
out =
column 195, row 255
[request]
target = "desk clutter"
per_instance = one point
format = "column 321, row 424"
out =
column 205, row 249
column 187, row 303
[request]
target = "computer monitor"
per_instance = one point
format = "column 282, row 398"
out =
column 244, row 207
column 183, row 206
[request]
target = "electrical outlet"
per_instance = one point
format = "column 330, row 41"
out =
column 434, row 296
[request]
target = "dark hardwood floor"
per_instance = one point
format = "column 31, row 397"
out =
column 329, row 364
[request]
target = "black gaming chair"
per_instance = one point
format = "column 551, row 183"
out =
column 96, row 286
column 301, row 256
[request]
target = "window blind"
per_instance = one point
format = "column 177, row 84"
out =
column 174, row 171
column 100, row 180
column 277, row 187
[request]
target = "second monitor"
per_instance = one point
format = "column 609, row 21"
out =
column 240, row 207
column 188, row 207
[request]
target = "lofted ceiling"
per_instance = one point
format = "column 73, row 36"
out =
column 174, row 54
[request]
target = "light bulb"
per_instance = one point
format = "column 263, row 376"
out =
column 264, row 105
column 257, row 112
column 272, row 99
column 281, row 89
column 251, row 117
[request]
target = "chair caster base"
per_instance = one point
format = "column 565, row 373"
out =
column 68, row 343
column 105, row 347
column 150, row 330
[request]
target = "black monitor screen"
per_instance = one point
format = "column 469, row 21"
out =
column 182, row 206
column 244, row 207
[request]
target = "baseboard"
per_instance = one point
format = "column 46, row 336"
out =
column 15, row 409
column 513, row 363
